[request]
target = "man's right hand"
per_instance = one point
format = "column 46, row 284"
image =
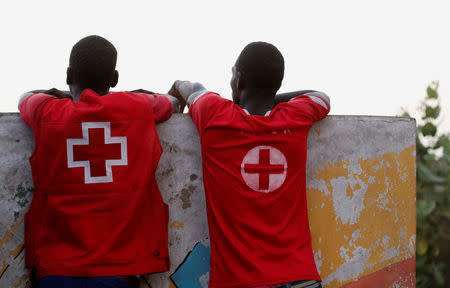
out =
column 176, row 93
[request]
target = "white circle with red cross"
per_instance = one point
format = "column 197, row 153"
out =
column 264, row 168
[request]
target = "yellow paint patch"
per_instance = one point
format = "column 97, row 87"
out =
column 176, row 225
column 363, row 212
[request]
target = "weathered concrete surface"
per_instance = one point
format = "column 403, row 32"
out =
column 361, row 197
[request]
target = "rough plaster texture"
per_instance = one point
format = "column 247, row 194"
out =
column 361, row 198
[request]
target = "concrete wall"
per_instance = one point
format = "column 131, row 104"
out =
column 361, row 200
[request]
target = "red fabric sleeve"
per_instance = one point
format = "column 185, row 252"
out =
column 203, row 108
column 312, row 108
column 162, row 107
column 31, row 107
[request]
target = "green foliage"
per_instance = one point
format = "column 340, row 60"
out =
column 432, row 112
column 429, row 129
column 433, row 200
column 432, row 91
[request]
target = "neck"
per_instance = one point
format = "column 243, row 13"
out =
column 76, row 93
column 75, row 97
column 256, row 102
column 101, row 92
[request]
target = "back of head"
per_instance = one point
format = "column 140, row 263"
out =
column 93, row 63
column 261, row 65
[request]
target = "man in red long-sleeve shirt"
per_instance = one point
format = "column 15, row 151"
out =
column 93, row 169
column 254, row 156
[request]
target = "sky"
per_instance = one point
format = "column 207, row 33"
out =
column 370, row 57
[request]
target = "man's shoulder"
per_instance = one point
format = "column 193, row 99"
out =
column 209, row 99
column 128, row 97
column 139, row 96
column 34, row 105
column 316, row 97
column 34, row 99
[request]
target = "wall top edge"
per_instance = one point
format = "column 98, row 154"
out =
column 333, row 117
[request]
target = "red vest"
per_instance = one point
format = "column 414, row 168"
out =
column 97, row 209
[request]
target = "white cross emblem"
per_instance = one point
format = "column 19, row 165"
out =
column 90, row 149
column 264, row 168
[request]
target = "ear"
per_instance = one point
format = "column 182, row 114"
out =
column 240, row 82
column 115, row 79
column 69, row 76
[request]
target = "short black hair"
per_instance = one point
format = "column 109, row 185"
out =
column 262, row 65
column 93, row 59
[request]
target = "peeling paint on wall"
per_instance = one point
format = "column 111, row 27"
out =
column 371, row 205
column 176, row 225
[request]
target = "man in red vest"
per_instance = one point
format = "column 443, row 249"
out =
column 254, row 156
column 97, row 215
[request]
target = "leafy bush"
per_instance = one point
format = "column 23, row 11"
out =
column 433, row 201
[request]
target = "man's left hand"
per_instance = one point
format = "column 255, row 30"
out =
column 175, row 93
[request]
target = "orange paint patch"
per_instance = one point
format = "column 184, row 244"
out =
column 318, row 132
column 362, row 215
column 349, row 191
column 401, row 274
column 176, row 225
